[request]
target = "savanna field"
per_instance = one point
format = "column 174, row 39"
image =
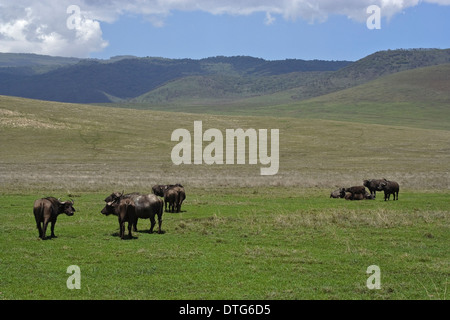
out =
column 239, row 235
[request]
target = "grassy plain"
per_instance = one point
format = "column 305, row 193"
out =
column 68, row 147
column 240, row 235
column 235, row 243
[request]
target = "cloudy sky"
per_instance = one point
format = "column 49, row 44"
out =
column 303, row 29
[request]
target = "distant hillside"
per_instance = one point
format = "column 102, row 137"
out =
column 30, row 64
column 219, row 89
column 90, row 81
column 264, row 89
column 416, row 98
column 152, row 82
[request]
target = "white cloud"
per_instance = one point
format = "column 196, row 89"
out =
column 41, row 26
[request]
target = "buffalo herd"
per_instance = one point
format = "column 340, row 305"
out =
column 127, row 207
column 374, row 185
column 131, row 207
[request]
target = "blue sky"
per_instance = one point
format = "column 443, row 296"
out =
column 302, row 29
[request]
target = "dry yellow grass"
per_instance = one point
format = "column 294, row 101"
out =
column 56, row 146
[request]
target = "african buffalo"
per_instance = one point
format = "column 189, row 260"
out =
column 359, row 196
column 47, row 210
column 181, row 196
column 373, row 185
column 389, row 187
column 124, row 209
column 171, row 198
column 356, row 190
column 159, row 189
column 339, row 193
column 146, row 207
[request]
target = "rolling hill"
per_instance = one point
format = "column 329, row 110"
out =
column 71, row 147
column 211, row 81
column 218, row 92
column 416, row 98
column 96, row 81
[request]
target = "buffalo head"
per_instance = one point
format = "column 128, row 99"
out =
column 109, row 208
column 66, row 207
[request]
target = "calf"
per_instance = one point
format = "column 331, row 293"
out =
column 125, row 210
column 47, row 210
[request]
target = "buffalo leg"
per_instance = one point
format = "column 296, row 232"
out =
column 121, row 229
column 135, row 225
column 44, row 229
column 130, row 224
column 152, row 223
column 38, row 225
column 52, row 228
column 159, row 224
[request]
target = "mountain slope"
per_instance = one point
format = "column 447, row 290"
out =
column 418, row 98
column 219, row 89
column 265, row 89
column 92, row 81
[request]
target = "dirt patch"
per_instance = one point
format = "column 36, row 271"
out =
column 14, row 119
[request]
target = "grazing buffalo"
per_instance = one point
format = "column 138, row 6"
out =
column 171, row 198
column 181, row 196
column 356, row 190
column 389, row 187
column 125, row 210
column 47, row 210
column 159, row 189
column 339, row 193
column 146, row 207
column 373, row 185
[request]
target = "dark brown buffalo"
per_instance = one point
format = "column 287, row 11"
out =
column 389, row 187
column 373, row 185
column 356, row 190
column 339, row 193
column 124, row 209
column 174, row 196
column 159, row 189
column 47, row 210
column 146, row 207
column 359, row 196
column 171, row 198
column 181, row 196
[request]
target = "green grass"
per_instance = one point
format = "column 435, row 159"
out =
column 235, row 243
column 240, row 235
